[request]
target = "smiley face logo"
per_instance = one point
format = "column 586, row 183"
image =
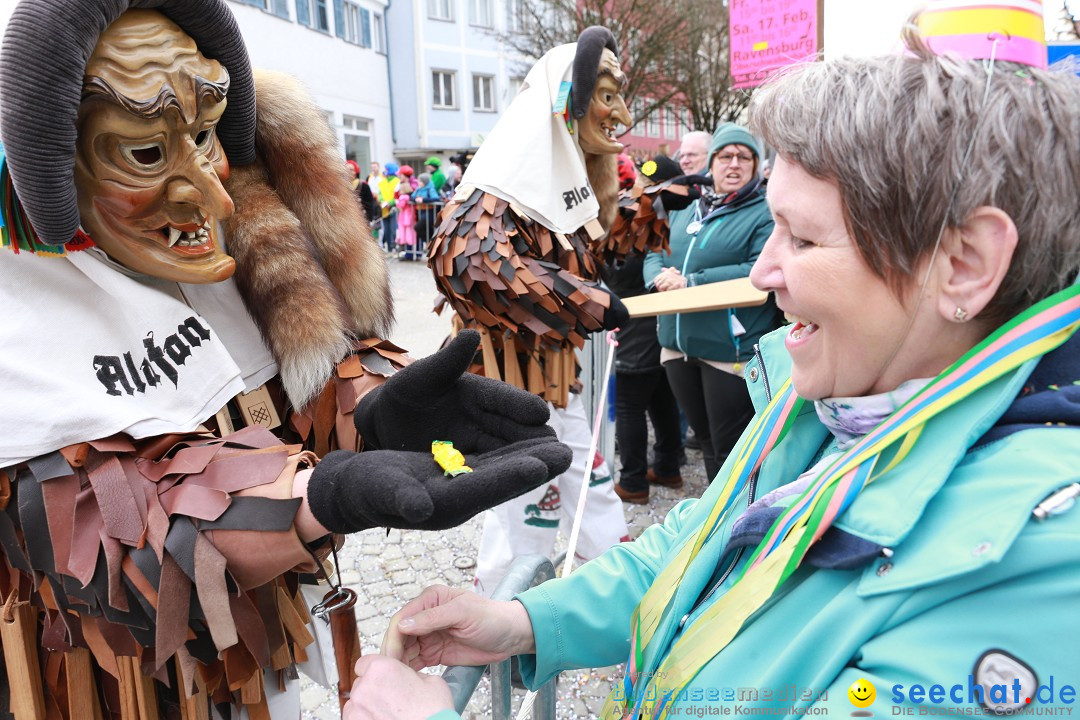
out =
column 861, row 694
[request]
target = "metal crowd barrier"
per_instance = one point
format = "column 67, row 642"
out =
column 427, row 222
column 525, row 572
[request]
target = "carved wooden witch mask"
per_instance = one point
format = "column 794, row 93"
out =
column 149, row 166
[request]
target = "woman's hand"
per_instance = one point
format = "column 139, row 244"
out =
column 445, row 626
column 384, row 689
column 669, row 279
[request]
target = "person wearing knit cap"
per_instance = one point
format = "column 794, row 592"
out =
column 434, row 166
column 425, row 198
column 627, row 173
column 717, row 238
column 406, row 174
column 197, row 325
column 517, row 257
column 388, row 186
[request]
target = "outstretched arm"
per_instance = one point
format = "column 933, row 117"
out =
column 396, row 482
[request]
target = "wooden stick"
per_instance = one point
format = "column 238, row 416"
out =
column 195, row 707
column 714, row 296
column 129, row 700
column 18, row 635
column 487, row 349
column 145, row 692
column 82, row 694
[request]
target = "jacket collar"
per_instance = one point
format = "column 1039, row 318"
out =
column 888, row 510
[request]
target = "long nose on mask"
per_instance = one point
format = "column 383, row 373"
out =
column 621, row 113
column 197, row 183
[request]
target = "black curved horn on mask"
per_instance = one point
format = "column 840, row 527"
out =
column 590, row 45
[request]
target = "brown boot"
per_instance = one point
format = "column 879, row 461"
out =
column 639, row 497
column 669, row 481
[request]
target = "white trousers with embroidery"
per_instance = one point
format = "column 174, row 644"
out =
column 529, row 524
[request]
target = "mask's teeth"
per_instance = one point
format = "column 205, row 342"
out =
column 174, row 235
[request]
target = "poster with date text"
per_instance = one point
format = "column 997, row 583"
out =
column 767, row 35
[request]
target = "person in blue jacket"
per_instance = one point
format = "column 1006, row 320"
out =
column 716, row 238
column 897, row 526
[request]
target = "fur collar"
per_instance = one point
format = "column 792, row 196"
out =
column 309, row 270
column 603, row 173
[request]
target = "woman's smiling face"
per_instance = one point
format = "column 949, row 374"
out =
column 852, row 336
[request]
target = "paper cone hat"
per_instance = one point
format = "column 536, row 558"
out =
column 978, row 29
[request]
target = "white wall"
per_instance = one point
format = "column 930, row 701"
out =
column 861, row 28
column 344, row 78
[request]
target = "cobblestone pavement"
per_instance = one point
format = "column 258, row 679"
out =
column 388, row 570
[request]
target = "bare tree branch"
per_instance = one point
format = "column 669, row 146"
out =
column 1068, row 25
column 674, row 52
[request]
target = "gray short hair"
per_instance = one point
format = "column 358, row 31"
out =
column 704, row 137
column 892, row 132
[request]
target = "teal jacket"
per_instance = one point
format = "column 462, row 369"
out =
column 730, row 240
column 967, row 571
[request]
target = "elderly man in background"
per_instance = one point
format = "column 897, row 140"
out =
column 692, row 151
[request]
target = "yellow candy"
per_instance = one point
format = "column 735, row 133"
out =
column 450, row 460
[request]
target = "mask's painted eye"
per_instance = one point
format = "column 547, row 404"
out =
column 145, row 156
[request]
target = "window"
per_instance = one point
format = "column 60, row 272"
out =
column 652, row 124
column 357, row 24
column 377, row 33
column 278, row 7
column 684, row 121
column 358, row 148
column 440, row 9
column 671, row 123
column 483, row 93
column 480, row 13
column 351, row 122
column 357, row 140
column 314, row 14
column 442, row 82
column 515, row 15
column 322, row 16
column 637, row 108
column 351, row 21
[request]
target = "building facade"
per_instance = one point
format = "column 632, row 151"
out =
column 337, row 48
column 660, row 132
column 450, row 77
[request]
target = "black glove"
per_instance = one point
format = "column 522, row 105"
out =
column 616, row 315
column 351, row 491
column 437, row 399
column 673, row 201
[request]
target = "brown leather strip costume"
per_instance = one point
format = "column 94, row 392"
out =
column 151, row 550
column 532, row 290
column 640, row 226
column 529, row 289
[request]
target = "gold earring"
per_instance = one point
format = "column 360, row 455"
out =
column 960, row 315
